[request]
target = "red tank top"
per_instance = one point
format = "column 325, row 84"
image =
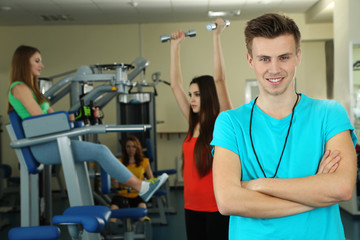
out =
column 198, row 192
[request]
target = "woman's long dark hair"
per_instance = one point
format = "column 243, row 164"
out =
column 209, row 110
column 139, row 156
column 20, row 71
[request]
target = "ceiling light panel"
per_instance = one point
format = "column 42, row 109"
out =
column 226, row 6
column 154, row 4
column 226, row 2
column 154, row 9
column 190, row 3
column 303, row 1
column 263, row 2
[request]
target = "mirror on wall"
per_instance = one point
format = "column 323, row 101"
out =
column 251, row 90
column 355, row 111
column 355, row 76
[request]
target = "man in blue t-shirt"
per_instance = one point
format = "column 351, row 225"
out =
column 283, row 162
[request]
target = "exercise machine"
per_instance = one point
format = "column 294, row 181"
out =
column 79, row 221
column 37, row 130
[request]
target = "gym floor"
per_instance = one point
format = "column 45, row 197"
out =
column 175, row 229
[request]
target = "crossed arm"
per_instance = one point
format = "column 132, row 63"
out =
column 271, row 198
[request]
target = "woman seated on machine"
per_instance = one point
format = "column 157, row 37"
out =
column 27, row 100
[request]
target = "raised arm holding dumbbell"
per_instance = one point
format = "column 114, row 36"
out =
column 207, row 97
column 213, row 26
column 165, row 38
column 219, row 65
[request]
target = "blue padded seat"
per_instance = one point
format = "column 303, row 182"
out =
column 33, row 166
column 14, row 180
column 92, row 218
column 31, row 233
column 168, row 171
column 134, row 213
column 8, row 172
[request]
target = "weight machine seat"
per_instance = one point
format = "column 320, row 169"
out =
column 33, row 166
column 168, row 171
column 48, row 126
column 92, row 218
column 30, row 233
column 6, row 170
column 160, row 192
column 8, row 186
column 133, row 213
column 128, row 216
column 7, row 173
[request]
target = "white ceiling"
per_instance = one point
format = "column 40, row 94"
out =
column 78, row 12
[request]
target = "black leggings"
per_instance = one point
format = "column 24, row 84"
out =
column 206, row 225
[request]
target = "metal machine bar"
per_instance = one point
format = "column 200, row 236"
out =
column 105, row 99
column 61, row 94
column 63, row 74
column 140, row 64
column 96, row 92
column 29, row 214
column 77, row 132
column 79, row 78
column 76, row 175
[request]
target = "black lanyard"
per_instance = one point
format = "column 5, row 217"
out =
column 287, row 135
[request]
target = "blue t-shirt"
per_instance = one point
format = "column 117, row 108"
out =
column 314, row 123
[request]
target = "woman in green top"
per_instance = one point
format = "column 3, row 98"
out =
column 27, row 100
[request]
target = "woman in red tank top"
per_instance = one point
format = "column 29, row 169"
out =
column 207, row 97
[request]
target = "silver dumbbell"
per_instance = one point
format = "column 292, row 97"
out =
column 165, row 38
column 212, row 26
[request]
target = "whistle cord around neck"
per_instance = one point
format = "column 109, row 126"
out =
column 287, row 135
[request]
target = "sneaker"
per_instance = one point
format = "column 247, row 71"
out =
column 154, row 185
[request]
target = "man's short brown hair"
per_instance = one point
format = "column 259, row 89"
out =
column 270, row 26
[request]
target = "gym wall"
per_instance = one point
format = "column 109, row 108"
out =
column 64, row 48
